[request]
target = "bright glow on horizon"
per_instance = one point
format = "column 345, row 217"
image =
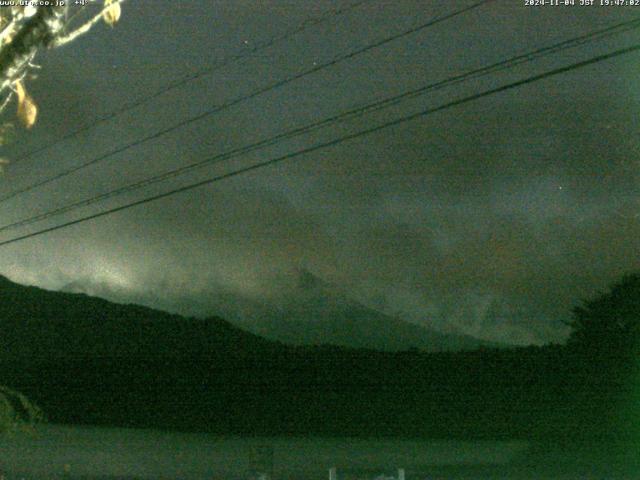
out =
column 112, row 275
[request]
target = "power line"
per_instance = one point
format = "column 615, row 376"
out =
column 244, row 98
column 330, row 143
column 496, row 67
column 305, row 24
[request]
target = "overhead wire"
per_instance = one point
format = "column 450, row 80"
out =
column 243, row 98
column 366, row 109
column 323, row 145
column 208, row 70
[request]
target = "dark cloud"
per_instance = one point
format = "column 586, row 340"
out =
column 492, row 218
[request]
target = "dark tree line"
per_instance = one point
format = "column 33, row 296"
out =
column 609, row 325
column 89, row 361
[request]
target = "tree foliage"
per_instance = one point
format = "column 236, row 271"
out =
column 26, row 30
column 610, row 323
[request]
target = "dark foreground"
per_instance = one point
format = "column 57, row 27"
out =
column 81, row 453
column 86, row 361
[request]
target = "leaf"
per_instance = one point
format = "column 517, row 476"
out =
column 111, row 13
column 27, row 109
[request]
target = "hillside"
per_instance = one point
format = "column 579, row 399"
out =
column 39, row 323
column 85, row 360
column 305, row 310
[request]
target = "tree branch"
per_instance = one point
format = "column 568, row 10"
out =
column 39, row 31
column 59, row 41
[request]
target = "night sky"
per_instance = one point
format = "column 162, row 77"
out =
column 492, row 218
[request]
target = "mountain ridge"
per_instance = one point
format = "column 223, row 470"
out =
column 45, row 323
column 86, row 360
column 306, row 310
column 316, row 312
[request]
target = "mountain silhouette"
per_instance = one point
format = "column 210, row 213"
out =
column 315, row 312
column 40, row 323
column 85, row 360
column 305, row 310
